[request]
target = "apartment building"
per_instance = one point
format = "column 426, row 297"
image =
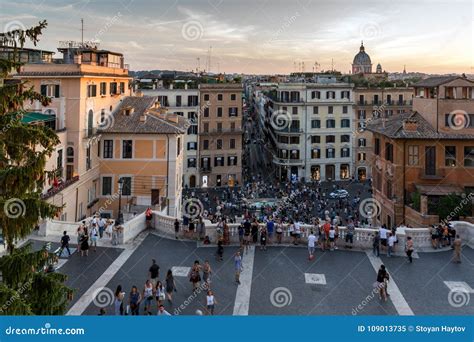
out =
column 423, row 155
column 143, row 150
column 182, row 98
column 220, row 134
column 370, row 103
column 310, row 126
column 85, row 86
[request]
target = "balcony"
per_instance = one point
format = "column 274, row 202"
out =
column 280, row 161
column 63, row 185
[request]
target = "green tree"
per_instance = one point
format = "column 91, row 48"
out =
column 451, row 206
column 25, row 287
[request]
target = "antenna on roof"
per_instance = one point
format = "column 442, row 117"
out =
column 82, row 30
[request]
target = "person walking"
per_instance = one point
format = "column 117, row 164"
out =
column 170, row 286
column 84, row 243
column 279, row 231
column 409, row 249
column 211, row 302
column 270, row 228
column 376, row 244
column 254, row 230
column 194, row 275
column 109, row 228
column 391, row 244
column 237, row 266
column 160, row 293
column 311, row 244
column 162, row 311
column 382, row 282
column 154, row 272
column 94, row 236
column 457, row 247
column 118, row 301
column 206, row 274
column 65, row 243
column 148, row 218
column 176, row 228
column 220, row 251
column 263, row 238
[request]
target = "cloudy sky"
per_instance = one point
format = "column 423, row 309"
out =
column 253, row 36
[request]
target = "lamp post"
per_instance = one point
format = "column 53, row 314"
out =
column 120, row 187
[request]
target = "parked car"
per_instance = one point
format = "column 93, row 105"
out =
column 341, row 193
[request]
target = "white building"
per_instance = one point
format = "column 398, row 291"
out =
column 184, row 102
column 310, row 126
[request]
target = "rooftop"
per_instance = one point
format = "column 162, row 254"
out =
column 436, row 81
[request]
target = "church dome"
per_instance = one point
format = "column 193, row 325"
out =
column 362, row 58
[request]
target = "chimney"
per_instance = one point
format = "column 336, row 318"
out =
column 143, row 117
column 171, row 117
column 410, row 125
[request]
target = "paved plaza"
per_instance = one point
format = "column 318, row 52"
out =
column 278, row 281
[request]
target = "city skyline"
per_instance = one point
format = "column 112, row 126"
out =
column 262, row 37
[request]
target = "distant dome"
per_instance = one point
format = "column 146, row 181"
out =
column 362, row 62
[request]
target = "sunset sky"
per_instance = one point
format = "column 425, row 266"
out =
column 263, row 37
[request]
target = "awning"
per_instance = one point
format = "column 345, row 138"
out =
column 37, row 117
column 438, row 190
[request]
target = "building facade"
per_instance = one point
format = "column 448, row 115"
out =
column 220, row 134
column 84, row 86
column 370, row 103
column 423, row 155
column 310, row 127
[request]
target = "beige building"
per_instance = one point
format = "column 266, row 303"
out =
column 370, row 103
column 84, row 86
column 220, row 134
column 144, row 149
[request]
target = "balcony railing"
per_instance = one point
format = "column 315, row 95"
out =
column 54, row 190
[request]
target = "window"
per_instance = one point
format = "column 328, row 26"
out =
column 108, row 149
column 206, row 163
column 219, row 97
column 205, row 127
column 59, row 163
column 345, row 138
column 127, row 186
column 450, row 155
column 315, row 94
column 330, row 153
column 191, row 162
column 295, row 126
column 113, row 88
column 206, row 112
column 377, row 146
column 388, row 187
column 205, row 145
column 330, row 95
column 233, row 111
column 192, row 130
column 219, row 144
column 233, row 97
column 50, row 90
column 344, row 171
column 361, row 156
column 219, row 112
column 389, row 152
column 192, row 146
column 295, row 154
column 362, row 142
column 345, row 152
column 330, row 110
column 178, row 100
column 219, row 127
column 469, row 156
column 192, row 100
column 430, row 160
column 315, row 153
column 345, row 94
column 178, row 147
column 294, row 140
column 315, row 110
column 330, row 123
column 361, row 114
column 232, row 143
column 106, row 186
column 330, row 139
column 294, row 110
column 315, row 139
column 92, row 90
column 345, row 123
column 315, row 123
column 219, row 161
column 231, row 160
column 103, row 88
column 344, row 109
column 122, row 87
column 70, row 155
column 232, row 126
column 88, row 158
column 412, row 154
column 206, row 97
column 127, row 148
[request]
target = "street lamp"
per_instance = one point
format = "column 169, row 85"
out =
column 120, row 187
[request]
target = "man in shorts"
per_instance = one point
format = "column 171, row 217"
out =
column 311, row 243
column 154, row 272
column 350, row 234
